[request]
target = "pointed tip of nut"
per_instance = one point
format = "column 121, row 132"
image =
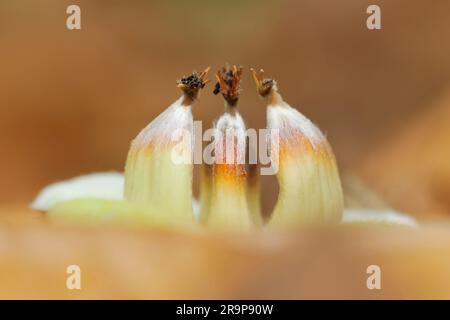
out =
column 264, row 85
column 228, row 83
column 191, row 85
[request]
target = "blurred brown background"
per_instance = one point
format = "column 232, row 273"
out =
column 71, row 101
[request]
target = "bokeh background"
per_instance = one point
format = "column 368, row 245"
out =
column 71, row 101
